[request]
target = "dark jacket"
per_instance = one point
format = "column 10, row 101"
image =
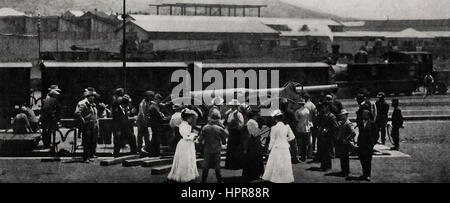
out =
column 212, row 137
column 50, row 110
column 156, row 117
column 368, row 135
column 397, row 118
column 328, row 126
column 120, row 119
column 382, row 111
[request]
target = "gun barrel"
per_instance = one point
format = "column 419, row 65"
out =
column 317, row 88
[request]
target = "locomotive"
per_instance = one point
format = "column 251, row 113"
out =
column 400, row 72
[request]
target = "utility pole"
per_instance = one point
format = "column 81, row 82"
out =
column 124, row 45
column 39, row 37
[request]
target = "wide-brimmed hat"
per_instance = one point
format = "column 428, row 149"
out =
column 300, row 101
column 54, row 87
column 329, row 97
column 54, row 93
column 158, row 96
column 343, row 111
column 119, row 92
column 126, row 99
column 90, row 91
column 234, row 102
column 381, row 95
column 177, row 106
column 149, row 95
column 217, row 101
column 276, row 113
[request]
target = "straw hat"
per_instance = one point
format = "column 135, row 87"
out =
column 276, row 113
column 54, row 87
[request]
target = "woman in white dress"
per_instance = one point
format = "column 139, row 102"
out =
column 279, row 166
column 184, row 166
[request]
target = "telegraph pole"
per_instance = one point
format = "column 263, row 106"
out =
column 39, row 37
column 124, row 43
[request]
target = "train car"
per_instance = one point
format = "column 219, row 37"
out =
column 14, row 89
column 401, row 72
column 141, row 76
column 105, row 77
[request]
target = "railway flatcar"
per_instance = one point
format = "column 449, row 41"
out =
column 14, row 89
column 140, row 76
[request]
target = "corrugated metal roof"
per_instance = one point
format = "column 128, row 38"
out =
column 353, row 23
column 264, row 65
column 76, row 13
column 210, row 2
column 114, row 64
column 16, row 65
column 438, row 34
column 409, row 33
column 303, row 26
column 10, row 12
column 201, row 24
column 361, row 34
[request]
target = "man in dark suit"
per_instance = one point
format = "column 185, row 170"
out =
column 367, row 138
column 328, row 127
column 50, row 115
column 397, row 123
column 212, row 137
column 156, row 122
column 120, row 117
column 382, row 115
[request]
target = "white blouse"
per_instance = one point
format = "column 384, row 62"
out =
column 280, row 135
column 186, row 131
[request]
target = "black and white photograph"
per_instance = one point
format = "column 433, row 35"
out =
column 224, row 91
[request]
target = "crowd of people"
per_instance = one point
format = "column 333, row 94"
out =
column 299, row 131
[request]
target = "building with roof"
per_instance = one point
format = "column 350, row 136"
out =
column 409, row 39
column 208, row 8
column 72, row 14
column 11, row 12
column 228, row 35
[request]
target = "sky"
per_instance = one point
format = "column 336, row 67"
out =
column 380, row 9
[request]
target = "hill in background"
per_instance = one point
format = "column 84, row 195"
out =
column 276, row 8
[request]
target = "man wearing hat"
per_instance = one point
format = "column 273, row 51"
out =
column 345, row 134
column 367, row 138
column 382, row 116
column 363, row 99
column 121, row 119
column 302, row 129
column 86, row 114
column 50, row 115
column 212, row 137
column 327, row 129
column 142, row 121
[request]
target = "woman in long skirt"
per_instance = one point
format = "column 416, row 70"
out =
column 235, row 149
column 279, row 166
column 253, row 163
column 184, row 166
